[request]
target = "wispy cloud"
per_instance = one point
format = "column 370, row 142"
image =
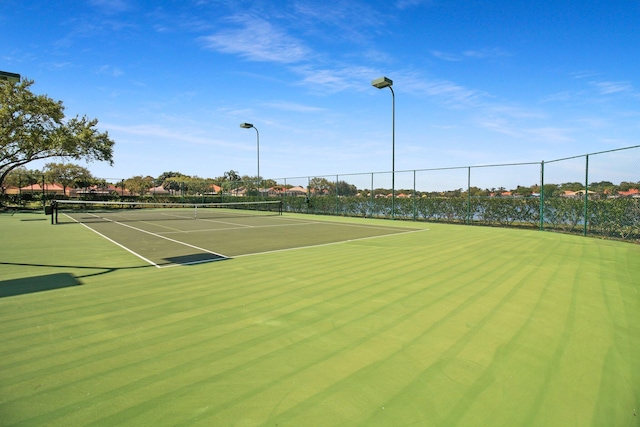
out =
column 405, row 4
column 550, row 134
column 608, row 88
column 331, row 80
column 148, row 133
column 110, row 70
column 257, row 40
column 453, row 57
column 450, row 93
column 484, row 53
column 111, row 6
column 492, row 52
column 293, row 106
column 337, row 19
column 516, row 130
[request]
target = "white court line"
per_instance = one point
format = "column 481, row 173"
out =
column 301, row 222
column 152, row 234
column 347, row 224
column 223, row 222
column 204, row 230
column 114, row 242
column 331, row 243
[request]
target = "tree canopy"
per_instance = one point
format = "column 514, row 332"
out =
column 68, row 174
column 33, row 127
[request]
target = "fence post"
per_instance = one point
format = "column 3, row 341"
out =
column 469, row 195
column 310, row 206
column 586, row 194
column 372, row 199
column 337, row 197
column 414, row 195
column 542, row 195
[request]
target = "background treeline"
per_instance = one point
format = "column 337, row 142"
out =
column 603, row 212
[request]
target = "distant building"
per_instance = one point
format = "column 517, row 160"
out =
column 48, row 189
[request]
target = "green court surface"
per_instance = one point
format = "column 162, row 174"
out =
column 185, row 240
column 448, row 326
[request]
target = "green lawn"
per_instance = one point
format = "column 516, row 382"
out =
column 455, row 325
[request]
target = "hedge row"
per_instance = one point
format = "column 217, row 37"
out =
column 615, row 218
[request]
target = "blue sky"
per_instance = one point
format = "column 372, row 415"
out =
column 476, row 82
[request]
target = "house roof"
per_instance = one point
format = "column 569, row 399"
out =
column 297, row 189
column 47, row 187
column 629, row 192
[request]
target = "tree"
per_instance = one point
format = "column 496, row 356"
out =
column 163, row 177
column 67, row 174
column 268, row 183
column 345, row 189
column 21, row 177
column 251, row 184
column 523, row 191
column 571, row 186
column 139, row 185
column 171, row 181
column 231, row 176
column 33, row 127
column 320, row 186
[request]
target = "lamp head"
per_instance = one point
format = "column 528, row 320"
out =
column 246, row 125
column 10, row 77
column 382, row 82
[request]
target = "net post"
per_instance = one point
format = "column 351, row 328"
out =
column 54, row 212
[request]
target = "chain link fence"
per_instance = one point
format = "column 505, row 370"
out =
column 595, row 194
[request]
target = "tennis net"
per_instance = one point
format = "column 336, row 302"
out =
column 96, row 211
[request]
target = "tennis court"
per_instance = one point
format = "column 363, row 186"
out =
column 182, row 234
column 454, row 326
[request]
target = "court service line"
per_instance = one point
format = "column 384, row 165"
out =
column 170, row 239
column 331, row 243
column 298, row 224
column 155, row 235
column 347, row 224
column 223, row 222
column 115, row 243
column 241, row 227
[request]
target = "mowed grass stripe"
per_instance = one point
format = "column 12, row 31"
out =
column 171, row 302
column 290, row 377
column 383, row 291
column 462, row 316
column 331, row 335
column 68, row 311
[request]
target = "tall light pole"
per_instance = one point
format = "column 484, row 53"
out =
column 249, row 126
column 381, row 83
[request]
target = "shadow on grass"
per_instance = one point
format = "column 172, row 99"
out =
column 29, row 285
column 101, row 270
column 195, row 259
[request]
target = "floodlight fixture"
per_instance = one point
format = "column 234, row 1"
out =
column 10, row 77
column 382, row 82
